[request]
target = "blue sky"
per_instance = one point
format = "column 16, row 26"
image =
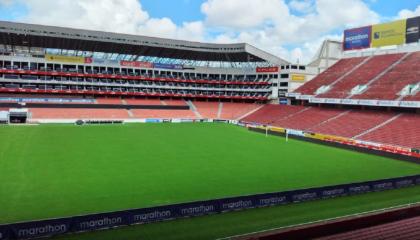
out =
column 189, row 10
column 291, row 29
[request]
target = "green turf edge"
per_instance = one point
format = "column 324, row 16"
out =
column 297, row 141
column 254, row 220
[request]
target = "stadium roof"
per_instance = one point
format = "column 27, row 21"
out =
column 32, row 35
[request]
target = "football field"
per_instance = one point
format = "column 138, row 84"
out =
column 50, row 171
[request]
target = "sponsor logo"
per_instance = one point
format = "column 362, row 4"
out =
column 409, row 104
column 267, row 69
column 136, row 64
column 295, row 132
column 304, row 97
column 44, row 230
column 298, row 77
column 236, row 205
column 198, row 210
column 88, row 60
column 332, row 100
column 348, row 101
column 413, row 30
column 304, row 196
column 152, row 216
column 273, row 200
column 359, row 189
column 167, row 66
column 380, row 186
column 333, row 192
column 392, row 33
column 100, row 223
column 357, row 37
column 317, row 100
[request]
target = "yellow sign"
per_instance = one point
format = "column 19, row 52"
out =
column 298, row 77
column 66, row 59
column 386, row 34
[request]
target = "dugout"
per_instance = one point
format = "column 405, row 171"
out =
column 18, row 115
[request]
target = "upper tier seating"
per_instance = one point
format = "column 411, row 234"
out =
column 406, row 71
column 388, row 86
column 330, row 75
column 361, row 75
column 413, row 98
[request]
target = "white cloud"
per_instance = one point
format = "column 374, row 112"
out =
column 303, row 6
column 267, row 24
column 6, row 3
column 124, row 16
column 243, row 13
column 406, row 13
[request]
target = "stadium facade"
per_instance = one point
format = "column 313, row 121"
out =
column 45, row 59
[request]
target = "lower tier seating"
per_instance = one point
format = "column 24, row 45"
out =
column 207, row 109
column 307, row 118
column 237, row 110
column 73, row 113
column 407, row 229
column 174, row 102
column 351, row 123
column 402, row 131
column 143, row 101
column 147, row 113
column 109, row 101
column 270, row 113
column 394, row 128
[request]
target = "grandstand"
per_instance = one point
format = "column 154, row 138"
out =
column 363, row 98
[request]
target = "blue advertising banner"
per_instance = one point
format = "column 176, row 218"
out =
column 357, row 38
column 100, row 221
column 167, row 66
column 4, row 233
column 45, row 228
column 38, row 229
column 412, row 33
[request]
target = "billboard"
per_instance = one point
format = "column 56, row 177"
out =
column 298, row 77
column 65, row 59
column 52, row 227
column 357, row 38
column 167, row 66
column 136, row 64
column 386, row 34
column 267, row 69
column 412, row 33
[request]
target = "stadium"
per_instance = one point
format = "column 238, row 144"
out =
column 116, row 136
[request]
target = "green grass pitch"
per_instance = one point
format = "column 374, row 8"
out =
column 50, row 171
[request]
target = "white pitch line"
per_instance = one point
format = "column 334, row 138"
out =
column 319, row 221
